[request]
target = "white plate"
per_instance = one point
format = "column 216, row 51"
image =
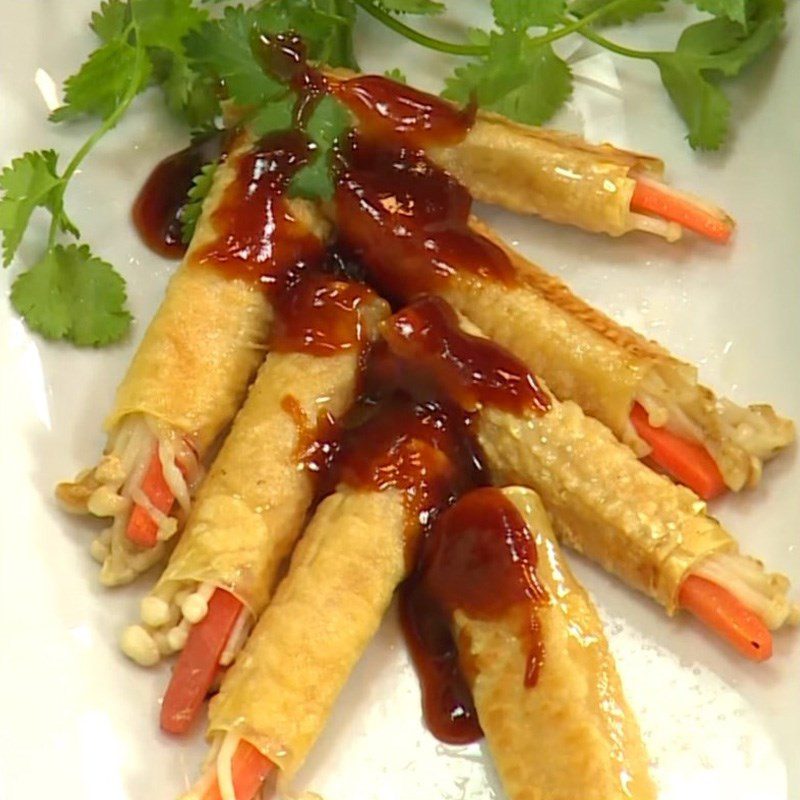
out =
column 81, row 722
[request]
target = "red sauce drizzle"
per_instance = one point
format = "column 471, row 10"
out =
column 317, row 443
column 319, row 314
column 259, row 238
column 158, row 208
column 284, row 56
column 387, row 109
column 408, row 221
column 478, row 558
column 472, row 371
column 413, row 447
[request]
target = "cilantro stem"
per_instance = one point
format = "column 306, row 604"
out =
column 420, row 38
column 576, row 25
column 614, row 47
column 110, row 121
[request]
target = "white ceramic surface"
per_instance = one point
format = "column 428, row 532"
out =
column 79, row 721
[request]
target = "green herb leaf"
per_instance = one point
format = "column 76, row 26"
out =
column 519, row 15
column 164, row 23
column 702, row 104
column 328, row 122
column 413, row 6
column 732, row 9
column 620, row 12
column 111, row 20
column 102, row 81
column 201, row 186
column 27, row 183
column 277, row 115
column 221, row 49
column 524, row 80
column 396, row 75
column 706, row 51
column 71, row 294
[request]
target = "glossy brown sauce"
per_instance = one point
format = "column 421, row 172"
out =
column 319, row 314
column 409, row 446
column 472, row 370
column 259, row 238
column 479, row 558
column 318, row 442
column 389, row 110
column 408, row 221
column 158, row 208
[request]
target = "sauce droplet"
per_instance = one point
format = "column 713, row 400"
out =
column 158, row 208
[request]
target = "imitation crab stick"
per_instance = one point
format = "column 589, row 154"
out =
column 248, row 770
column 688, row 462
column 731, row 619
column 198, row 662
column 142, row 528
column 652, row 197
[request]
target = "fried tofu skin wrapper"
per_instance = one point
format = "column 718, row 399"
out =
column 185, row 384
column 572, row 734
column 633, row 522
column 557, row 176
column 586, row 357
column 344, row 571
column 254, row 501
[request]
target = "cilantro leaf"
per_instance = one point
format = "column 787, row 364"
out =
column 164, row 23
column 619, row 13
column 328, row 122
column 396, row 75
column 188, row 95
column 201, row 185
column 71, row 294
column 111, row 20
column 277, row 115
column 518, row 77
column 413, row 6
column 732, row 9
column 102, row 81
column 702, row 104
column 221, row 49
column 519, row 15
column 706, row 51
column 27, row 183
column 313, row 181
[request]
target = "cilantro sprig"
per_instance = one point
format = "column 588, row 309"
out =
column 514, row 70
column 200, row 53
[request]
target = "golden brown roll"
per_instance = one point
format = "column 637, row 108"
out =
column 532, row 649
column 186, row 381
column 606, row 368
column 253, row 503
column 343, row 574
column 602, row 500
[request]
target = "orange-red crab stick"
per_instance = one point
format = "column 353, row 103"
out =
column 249, row 770
column 686, row 461
column 654, row 198
column 731, row 619
column 142, row 528
column 198, row 663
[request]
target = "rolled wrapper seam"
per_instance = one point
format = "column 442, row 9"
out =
column 572, row 734
column 632, row 521
column 343, row 573
column 604, row 367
